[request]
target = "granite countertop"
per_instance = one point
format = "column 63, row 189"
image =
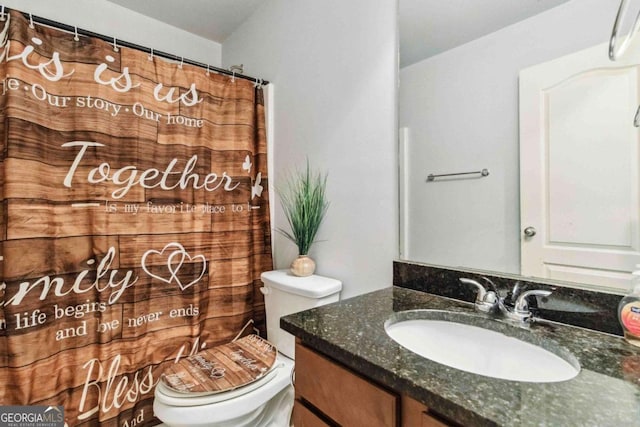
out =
column 606, row 392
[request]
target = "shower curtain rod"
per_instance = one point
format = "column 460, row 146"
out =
column 73, row 30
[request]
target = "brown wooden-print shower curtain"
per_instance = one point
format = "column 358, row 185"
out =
column 134, row 220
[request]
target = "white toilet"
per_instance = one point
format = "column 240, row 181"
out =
column 267, row 402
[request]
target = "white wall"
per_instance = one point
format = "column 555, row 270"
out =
column 461, row 108
column 109, row 19
column 334, row 67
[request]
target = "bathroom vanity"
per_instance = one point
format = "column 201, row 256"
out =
column 327, row 391
column 350, row 372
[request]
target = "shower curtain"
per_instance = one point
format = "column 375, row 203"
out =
column 135, row 220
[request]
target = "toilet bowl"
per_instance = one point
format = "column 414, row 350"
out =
column 267, row 402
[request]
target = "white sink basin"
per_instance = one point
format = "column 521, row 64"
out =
column 481, row 351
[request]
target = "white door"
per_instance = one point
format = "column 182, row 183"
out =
column 579, row 168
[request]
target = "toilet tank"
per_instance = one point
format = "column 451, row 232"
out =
column 285, row 294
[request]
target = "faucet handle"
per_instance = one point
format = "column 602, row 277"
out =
column 482, row 292
column 522, row 305
column 486, row 301
column 492, row 286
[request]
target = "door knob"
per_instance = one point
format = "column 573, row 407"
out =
column 529, row 231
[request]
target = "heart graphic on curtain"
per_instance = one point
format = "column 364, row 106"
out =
column 175, row 260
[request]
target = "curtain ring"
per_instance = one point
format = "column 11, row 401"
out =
column 181, row 62
column 75, row 32
column 208, row 71
column 3, row 16
column 115, row 45
column 31, row 25
column 151, row 55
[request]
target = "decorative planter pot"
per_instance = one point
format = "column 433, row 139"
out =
column 303, row 266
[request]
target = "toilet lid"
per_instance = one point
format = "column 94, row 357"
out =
column 171, row 397
column 222, row 368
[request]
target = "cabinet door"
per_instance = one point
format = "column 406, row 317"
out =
column 415, row 414
column 303, row 417
column 341, row 395
column 429, row 421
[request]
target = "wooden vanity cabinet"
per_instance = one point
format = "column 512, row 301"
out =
column 329, row 395
column 415, row 414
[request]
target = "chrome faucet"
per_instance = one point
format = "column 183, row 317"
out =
column 489, row 301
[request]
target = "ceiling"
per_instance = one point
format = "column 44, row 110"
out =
column 212, row 19
column 427, row 27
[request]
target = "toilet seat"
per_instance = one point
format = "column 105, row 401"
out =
column 174, row 398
